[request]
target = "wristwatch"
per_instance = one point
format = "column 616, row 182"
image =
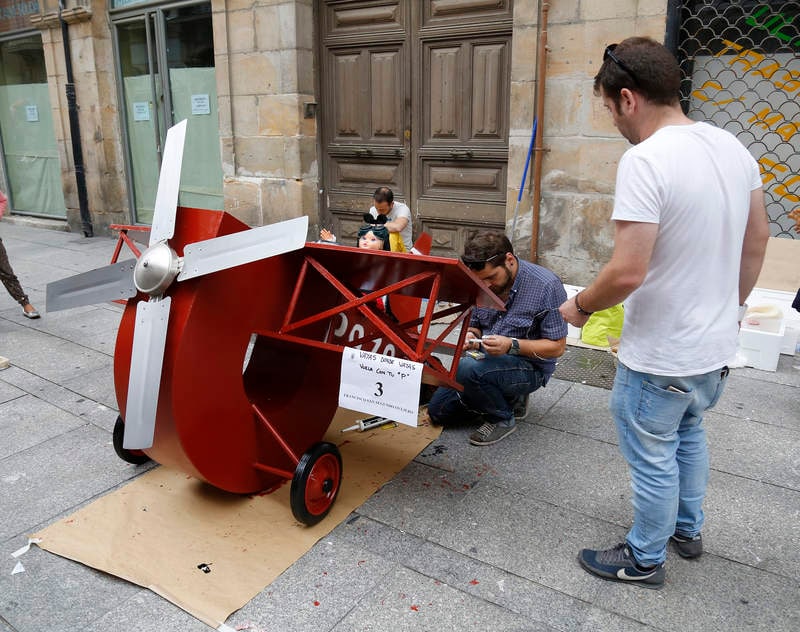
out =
column 514, row 348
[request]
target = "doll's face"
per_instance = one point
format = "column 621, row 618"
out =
column 370, row 242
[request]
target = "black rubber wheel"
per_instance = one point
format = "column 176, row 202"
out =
column 137, row 457
column 316, row 483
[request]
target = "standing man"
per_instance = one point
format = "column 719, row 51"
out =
column 690, row 236
column 398, row 217
column 514, row 351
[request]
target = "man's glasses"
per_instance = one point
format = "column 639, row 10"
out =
column 479, row 264
column 609, row 54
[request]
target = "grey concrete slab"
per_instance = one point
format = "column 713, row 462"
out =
column 493, row 584
column 788, row 372
column 754, row 450
column 317, row 591
column 753, row 523
column 584, row 411
column 75, row 403
column 58, row 594
column 712, row 595
column 8, row 392
column 409, row 601
column 145, row 611
column 56, row 475
column 27, row 421
column 768, row 402
column 51, row 357
column 97, row 385
column 419, row 499
column 554, row 466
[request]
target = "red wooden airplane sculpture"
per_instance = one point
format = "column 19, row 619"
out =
column 231, row 374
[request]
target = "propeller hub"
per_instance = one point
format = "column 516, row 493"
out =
column 156, row 269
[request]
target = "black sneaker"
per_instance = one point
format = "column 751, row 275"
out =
column 618, row 564
column 520, row 405
column 489, row 433
column 687, row 546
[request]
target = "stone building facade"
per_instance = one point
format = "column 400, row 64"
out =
column 270, row 102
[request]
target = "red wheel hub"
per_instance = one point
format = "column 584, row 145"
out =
column 323, row 483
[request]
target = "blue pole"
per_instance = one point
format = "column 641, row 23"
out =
column 524, row 175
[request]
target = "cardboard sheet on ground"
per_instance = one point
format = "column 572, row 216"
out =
column 157, row 530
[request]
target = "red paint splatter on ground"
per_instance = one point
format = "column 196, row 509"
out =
column 361, row 562
column 316, row 603
column 474, row 582
column 415, row 608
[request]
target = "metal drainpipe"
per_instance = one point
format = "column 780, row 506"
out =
column 75, row 132
column 541, row 75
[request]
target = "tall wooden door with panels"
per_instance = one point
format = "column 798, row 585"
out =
column 415, row 96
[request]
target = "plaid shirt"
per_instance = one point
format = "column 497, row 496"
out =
column 531, row 310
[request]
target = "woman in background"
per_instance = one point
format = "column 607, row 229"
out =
column 7, row 273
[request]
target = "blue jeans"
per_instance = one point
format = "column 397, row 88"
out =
column 490, row 387
column 662, row 438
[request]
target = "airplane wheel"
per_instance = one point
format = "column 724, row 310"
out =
column 316, row 483
column 137, row 457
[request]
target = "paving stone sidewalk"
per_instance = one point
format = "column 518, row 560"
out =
column 463, row 539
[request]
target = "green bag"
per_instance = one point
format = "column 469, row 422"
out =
column 606, row 322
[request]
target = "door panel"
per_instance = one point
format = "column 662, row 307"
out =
column 415, row 97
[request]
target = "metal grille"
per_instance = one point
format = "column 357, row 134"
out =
column 741, row 63
column 587, row 366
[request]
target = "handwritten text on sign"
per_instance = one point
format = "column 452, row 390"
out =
column 380, row 385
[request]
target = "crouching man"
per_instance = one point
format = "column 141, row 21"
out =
column 510, row 353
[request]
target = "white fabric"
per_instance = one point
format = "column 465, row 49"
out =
column 695, row 182
column 398, row 210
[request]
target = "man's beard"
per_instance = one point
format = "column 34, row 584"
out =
column 503, row 290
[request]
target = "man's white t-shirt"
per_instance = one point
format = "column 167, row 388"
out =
column 399, row 210
column 694, row 181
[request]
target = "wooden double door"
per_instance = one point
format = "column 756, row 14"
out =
column 415, row 96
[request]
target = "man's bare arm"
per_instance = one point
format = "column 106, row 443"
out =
column 754, row 246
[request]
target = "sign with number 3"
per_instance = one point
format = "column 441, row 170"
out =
column 380, row 385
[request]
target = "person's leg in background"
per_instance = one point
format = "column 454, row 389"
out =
column 11, row 283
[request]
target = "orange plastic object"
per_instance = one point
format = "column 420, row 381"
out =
column 243, row 428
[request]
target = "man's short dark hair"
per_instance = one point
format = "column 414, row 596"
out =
column 485, row 245
column 383, row 194
column 642, row 65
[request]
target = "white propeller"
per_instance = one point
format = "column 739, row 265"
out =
column 154, row 272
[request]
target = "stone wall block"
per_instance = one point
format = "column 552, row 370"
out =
column 260, row 156
column 279, row 115
column 304, row 19
column 609, row 9
column 243, row 200
column 244, row 110
column 241, row 32
column 281, row 199
column 219, row 30
column 235, row 5
column 522, row 107
column 523, row 57
column 564, row 107
column 297, row 71
column 555, row 225
column 222, row 75
column 254, row 73
column 228, row 156
column 267, row 28
column 567, row 50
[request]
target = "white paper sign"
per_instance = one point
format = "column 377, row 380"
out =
column 201, row 104
column 141, row 111
column 32, row 113
column 380, row 385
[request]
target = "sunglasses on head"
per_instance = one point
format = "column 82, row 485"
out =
column 609, row 54
column 479, row 264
